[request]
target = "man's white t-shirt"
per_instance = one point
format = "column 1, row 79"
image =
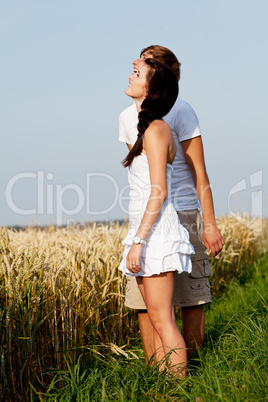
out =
column 184, row 125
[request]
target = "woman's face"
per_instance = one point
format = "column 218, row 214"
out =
column 138, row 85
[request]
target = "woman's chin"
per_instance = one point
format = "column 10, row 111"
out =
column 128, row 92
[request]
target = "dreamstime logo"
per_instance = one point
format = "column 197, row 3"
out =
column 51, row 197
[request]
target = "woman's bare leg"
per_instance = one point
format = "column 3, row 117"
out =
column 158, row 343
column 157, row 291
column 158, row 351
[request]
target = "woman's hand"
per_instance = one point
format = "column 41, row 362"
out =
column 133, row 258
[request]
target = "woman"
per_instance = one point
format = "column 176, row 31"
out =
column 156, row 244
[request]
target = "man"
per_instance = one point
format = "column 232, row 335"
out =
column 190, row 189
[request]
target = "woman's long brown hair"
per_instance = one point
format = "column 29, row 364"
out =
column 162, row 93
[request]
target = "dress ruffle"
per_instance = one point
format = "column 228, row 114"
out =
column 154, row 266
column 161, row 253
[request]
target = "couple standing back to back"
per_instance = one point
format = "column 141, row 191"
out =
column 191, row 193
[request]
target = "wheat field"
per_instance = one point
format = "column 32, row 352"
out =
column 61, row 293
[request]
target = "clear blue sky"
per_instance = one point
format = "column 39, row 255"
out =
column 64, row 68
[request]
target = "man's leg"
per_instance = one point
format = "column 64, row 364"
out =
column 193, row 319
column 147, row 334
column 192, row 291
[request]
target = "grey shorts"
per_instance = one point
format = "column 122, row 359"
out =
column 189, row 289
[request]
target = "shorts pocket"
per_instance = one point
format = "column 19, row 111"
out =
column 199, row 287
column 200, row 269
column 207, row 268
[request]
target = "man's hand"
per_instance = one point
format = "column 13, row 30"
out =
column 212, row 239
column 133, row 258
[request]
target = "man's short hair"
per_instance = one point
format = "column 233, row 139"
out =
column 164, row 56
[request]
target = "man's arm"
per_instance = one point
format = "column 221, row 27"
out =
column 194, row 154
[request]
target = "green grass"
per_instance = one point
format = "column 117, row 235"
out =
column 232, row 365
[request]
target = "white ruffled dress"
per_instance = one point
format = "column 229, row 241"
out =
column 167, row 245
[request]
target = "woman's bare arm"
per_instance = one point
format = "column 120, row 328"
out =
column 156, row 145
